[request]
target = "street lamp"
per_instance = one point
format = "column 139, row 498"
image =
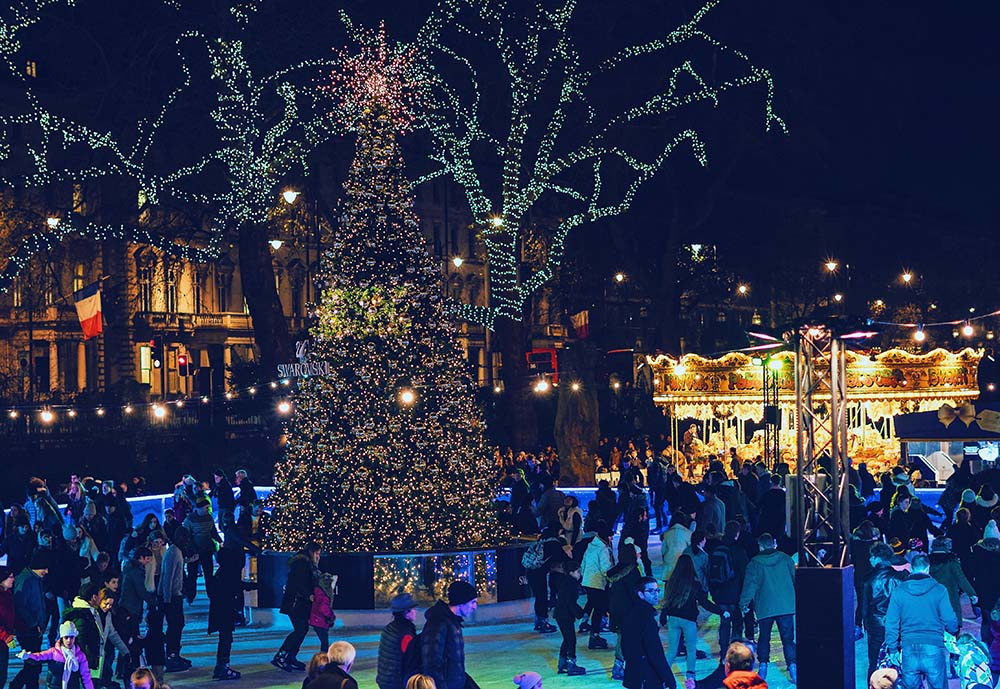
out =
column 290, row 195
column 619, row 277
column 542, row 385
column 906, row 277
column 457, row 261
column 967, row 329
column 743, row 290
column 496, row 220
column 838, row 297
column 52, row 222
column 275, row 244
column 831, row 265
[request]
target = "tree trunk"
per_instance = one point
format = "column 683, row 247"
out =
column 577, row 427
column 513, row 338
column 257, row 277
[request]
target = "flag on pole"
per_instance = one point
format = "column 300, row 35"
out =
column 88, row 309
column 581, row 324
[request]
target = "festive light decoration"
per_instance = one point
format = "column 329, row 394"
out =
column 256, row 149
column 536, row 50
column 387, row 451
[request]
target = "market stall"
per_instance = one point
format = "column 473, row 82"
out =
column 716, row 404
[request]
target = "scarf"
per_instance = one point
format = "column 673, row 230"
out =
column 71, row 664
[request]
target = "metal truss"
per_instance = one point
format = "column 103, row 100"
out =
column 822, row 523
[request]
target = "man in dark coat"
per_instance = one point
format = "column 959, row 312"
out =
column 442, row 643
column 875, row 594
column 30, row 615
column 296, row 602
column 645, row 663
column 772, row 508
column 393, row 641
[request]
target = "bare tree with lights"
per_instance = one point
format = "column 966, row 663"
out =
column 560, row 147
column 387, row 451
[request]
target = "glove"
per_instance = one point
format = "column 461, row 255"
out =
column 11, row 642
column 22, row 655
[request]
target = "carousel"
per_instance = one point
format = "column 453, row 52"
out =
column 718, row 404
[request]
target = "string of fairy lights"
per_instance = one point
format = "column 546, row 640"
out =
column 256, row 151
column 281, row 391
column 545, row 51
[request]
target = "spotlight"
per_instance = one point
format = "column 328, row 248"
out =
column 47, row 416
column 542, row 385
column 968, row 330
column 284, row 406
column 158, row 411
column 100, row 411
column 743, row 290
column 919, row 335
column 574, row 387
column 831, row 265
column 457, row 261
column 907, row 277
column 619, row 277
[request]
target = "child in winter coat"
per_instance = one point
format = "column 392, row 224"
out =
column 68, row 668
column 321, row 616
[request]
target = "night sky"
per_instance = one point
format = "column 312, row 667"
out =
column 891, row 109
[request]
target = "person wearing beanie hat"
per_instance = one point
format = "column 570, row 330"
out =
column 597, row 560
column 968, row 497
column 442, row 648
column 30, row 613
column 947, row 571
column 985, row 565
column 874, row 601
column 528, row 680
column 394, row 640
column 68, row 663
column 986, row 500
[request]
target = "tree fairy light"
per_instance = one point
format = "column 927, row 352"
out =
column 560, row 146
column 369, row 463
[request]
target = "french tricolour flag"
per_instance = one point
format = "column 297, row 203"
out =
column 88, row 309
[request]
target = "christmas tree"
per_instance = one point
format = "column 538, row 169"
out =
column 386, row 452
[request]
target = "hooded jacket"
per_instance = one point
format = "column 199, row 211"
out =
column 443, row 647
column 919, row 613
column 295, row 600
column 770, row 584
column 29, row 601
column 743, row 679
column 597, row 561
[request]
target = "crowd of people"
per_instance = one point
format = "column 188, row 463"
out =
column 91, row 598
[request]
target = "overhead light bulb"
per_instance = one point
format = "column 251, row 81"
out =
column 284, row 407
column 919, row 335
column 276, row 244
column 457, row 261
column 47, row 416
column 968, row 330
column 289, row 195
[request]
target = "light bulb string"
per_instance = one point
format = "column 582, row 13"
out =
column 922, row 326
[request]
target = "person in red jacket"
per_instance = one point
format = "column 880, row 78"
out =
column 321, row 615
column 7, row 640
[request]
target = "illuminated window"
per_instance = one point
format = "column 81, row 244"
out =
column 78, row 277
column 170, row 286
column 221, row 292
column 79, row 202
column 198, row 281
column 31, row 69
column 18, row 293
column 145, row 278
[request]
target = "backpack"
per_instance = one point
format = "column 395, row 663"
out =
column 413, row 659
column 534, row 556
column 720, row 568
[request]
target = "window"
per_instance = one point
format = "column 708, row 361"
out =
column 50, row 289
column 31, row 69
column 18, row 293
column 78, row 278
column 145, row 279
column 79, row 202
column 170, row 286
column 197, row 280
column 221, row 292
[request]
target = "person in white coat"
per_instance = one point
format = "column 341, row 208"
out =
column 597, row 560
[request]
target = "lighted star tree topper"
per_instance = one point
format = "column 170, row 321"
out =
column 387, row 451
column 557, row 144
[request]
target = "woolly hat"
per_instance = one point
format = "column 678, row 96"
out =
column 461, row 592
column 68, row 629
column 68, row 531
column 527, row 680
column 987, row 496
column 402, row 602
column 941, row 545
column 991, row 530
column 40, row 559
column 898, row 547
